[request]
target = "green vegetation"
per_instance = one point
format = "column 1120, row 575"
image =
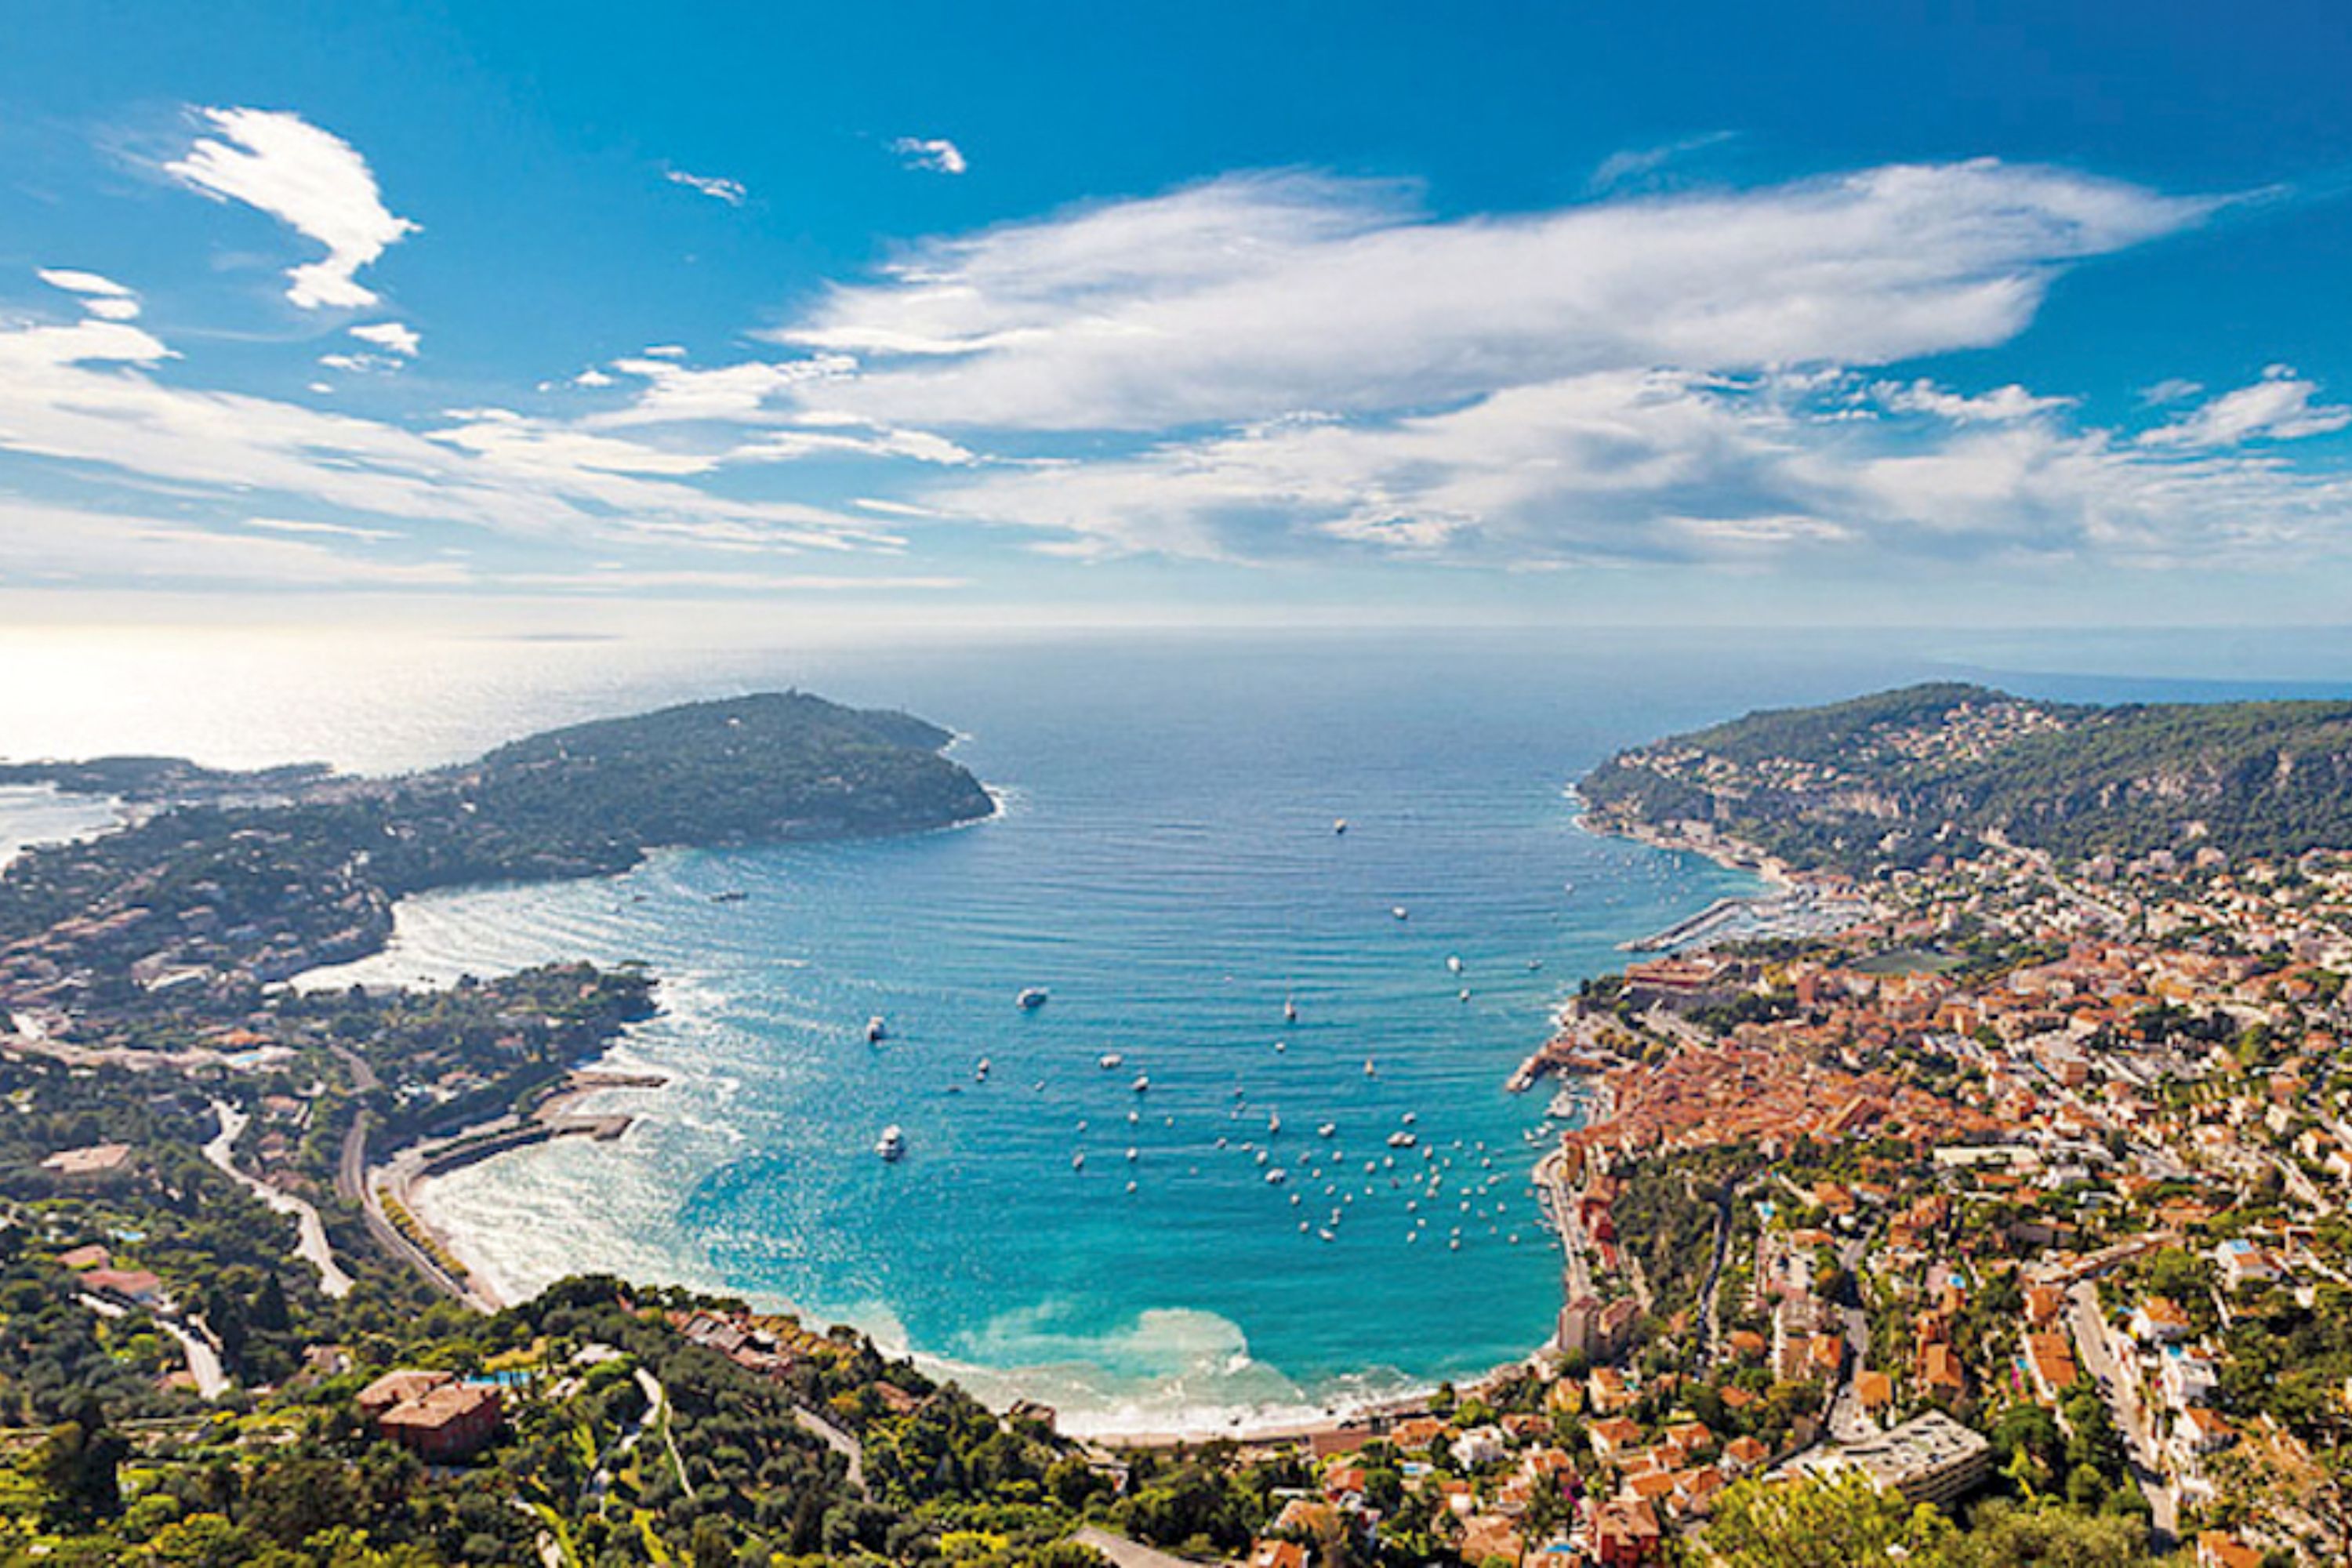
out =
column 584, row 1467
column 1901, row 775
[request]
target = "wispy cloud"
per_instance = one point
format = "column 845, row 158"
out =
column 100, row 296
column 81, row 395
column 717, row 187
column 396, row 337
column 1635, row 163
column 309, row 179
column 1648, row 467
column 937, row 154
column 1256, row 296
column 2278, row 407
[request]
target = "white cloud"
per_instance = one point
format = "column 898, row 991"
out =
column 50, row 545
column 397, row 336
column 1998, row 406
column 592, row 376
column 937, row 154
column 1659, row 465
column 79, row 395
column 2278, row 407
column 1254, row 296
column 75, row 282
column 309, row 179
column 2171, row 389
column 1636, row 163
column 319, row 530
column 731, row 191
column 27, row 350
column 675, row 394
column 100, row 296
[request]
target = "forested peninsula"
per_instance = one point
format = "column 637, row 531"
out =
column 1897, row 777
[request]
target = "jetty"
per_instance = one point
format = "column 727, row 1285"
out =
column 1803, row 911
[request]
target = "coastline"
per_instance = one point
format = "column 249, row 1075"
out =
column 1280, row 1419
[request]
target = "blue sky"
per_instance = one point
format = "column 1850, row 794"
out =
column 1254, row 313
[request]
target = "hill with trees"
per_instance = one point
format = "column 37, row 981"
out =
column 1893, row 778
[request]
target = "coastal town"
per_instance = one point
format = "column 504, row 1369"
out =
column 1988, row 1204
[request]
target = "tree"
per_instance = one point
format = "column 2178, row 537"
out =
column 79, row 1465
column 1815, row 1522
column 2005, row 1536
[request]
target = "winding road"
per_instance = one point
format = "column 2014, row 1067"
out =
column 312, row 1230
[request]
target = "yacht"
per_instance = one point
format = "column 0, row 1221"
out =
column 876, row 1031
column 1454, row 964
column 1142, row 1081
column 1273, row 1123
column 1033, row 998
column 892, row 1143
column 1401, row 1140
column 1290, row 1011
column 980, row 1070
column 1327, row 1129
column 1397, row 912
column 1110, row 1061
column 1276, row 1176
column 1078, row 1161
column 1340, row 826
column 731, row 896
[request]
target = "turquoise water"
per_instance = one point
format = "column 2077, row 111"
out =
column 1165, row 865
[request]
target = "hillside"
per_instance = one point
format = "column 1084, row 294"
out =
column 1896, row 776
column 262, row 875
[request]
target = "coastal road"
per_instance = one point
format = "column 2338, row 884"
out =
column 1129, row 1553
column 839, row 1441
column 1561, row 1197
column 1848, row 1424
column 310, row 1229
column 1710, row 1317
column 350, row 1168
column 2120, row 1383
column 203, row 1361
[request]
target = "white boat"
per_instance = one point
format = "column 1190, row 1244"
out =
column 1397, row 912
column 1340, row 826
column 1454, row 964
column 1130, row 1155
column 1409, row 1117
column 892, row 1143
column 1110, row 1061
column 1142, row 1081
column 1401, row 1140
column 1078, row 1161
column 876, row 1031
column 1369, row 1070
column 1290, row 1011
column 1276, row 1176
column 980, row 1070
column 1273, row 1123
column 1033, row 998
column 1327, row 1129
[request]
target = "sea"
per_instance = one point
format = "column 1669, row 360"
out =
column 1253, row 1160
